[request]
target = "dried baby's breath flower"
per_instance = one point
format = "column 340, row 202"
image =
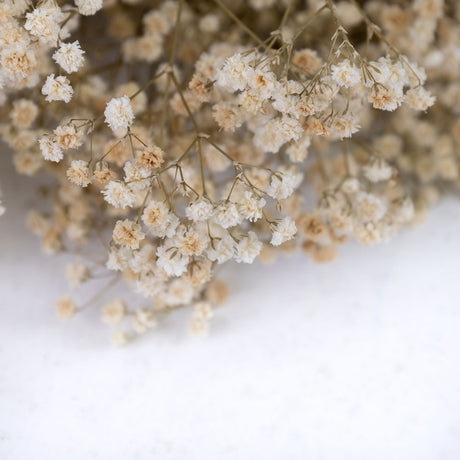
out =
column 250, row 207
column 307, row 59
column 226, row 215
column 320, row 254
column 57, row 89
column 248, row 248
column 346, row 74
column 103, row 174
column 79, row 173
column 203, row 310
column 119, row 113
column 37, row 222
column 70, row 56
column 235, row 73
column 227, row 116
column 344, row 126
column 191, row 242
column 113, row 312
column 198, row 327
column 200, row 210
column 143, row 320
column 119, row 338
column 199, row 87
column 369, row 208
column 385, row 99
column 281, row 186
column 136, row 176
column 151, row 158
column 171, row 260
column 157, row 218
column 216, row 292
column 128, row 233
column 199, row 272
column 66, row 307
column 43, row 23
column 282, row 231
column 378, row 170
column 419, row 98
column 68, row 137
column 50, row 149
column 19, row 63
column 88, row 7
column 52, row 241
column 24, row 113
column 312, row 227
column 77, row 273
column 298, row 151
column 222, row 249
column 119, row 194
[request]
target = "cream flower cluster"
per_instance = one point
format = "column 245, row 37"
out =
column 183, row 136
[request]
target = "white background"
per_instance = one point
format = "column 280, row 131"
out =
column 358, row 359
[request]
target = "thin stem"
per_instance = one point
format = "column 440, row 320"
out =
column 163, row 189
column 164, row 109
column 187, row 108
column 110, row 150
column 187, row 150
column 147, row 84
column 203, row 182
column 286, row 14
column 241, row 24
column 131, row 143
column 103, row 291
column 176, row 34
column 141, row 209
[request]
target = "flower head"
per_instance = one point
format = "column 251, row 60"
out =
column 119, row 113
column 282, row 231
column 57, row 89
column 70, row 56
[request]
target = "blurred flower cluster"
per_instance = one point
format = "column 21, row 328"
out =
column 182, row 134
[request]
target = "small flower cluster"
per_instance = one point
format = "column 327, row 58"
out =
column 183, row 137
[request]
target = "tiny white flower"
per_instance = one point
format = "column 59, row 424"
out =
column 69, row 56
column 377, row 170
column 200, row 210
column 221, row 250
column 88, row 7
column 43, row 23
column 282, row 231
column 250, row 206
column 282, row 185
column 346, row 74
column 234, row 74
column 118, row 194
column 119, row 113
column 368, row 207
column 137, row 177
column 227, row 215
column 79, row 173
column 118, row 258
column 173, row 262
column 57, row 89
column 248, row 248
column 50, row 149
column 113, row 312
column 420, row 99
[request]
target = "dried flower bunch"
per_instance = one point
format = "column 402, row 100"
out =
column 188, row 133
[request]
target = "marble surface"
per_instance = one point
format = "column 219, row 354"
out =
column 358, row 359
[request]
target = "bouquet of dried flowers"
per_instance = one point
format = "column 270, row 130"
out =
column 183, row 134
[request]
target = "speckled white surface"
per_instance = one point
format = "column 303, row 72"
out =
column 354, row 360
